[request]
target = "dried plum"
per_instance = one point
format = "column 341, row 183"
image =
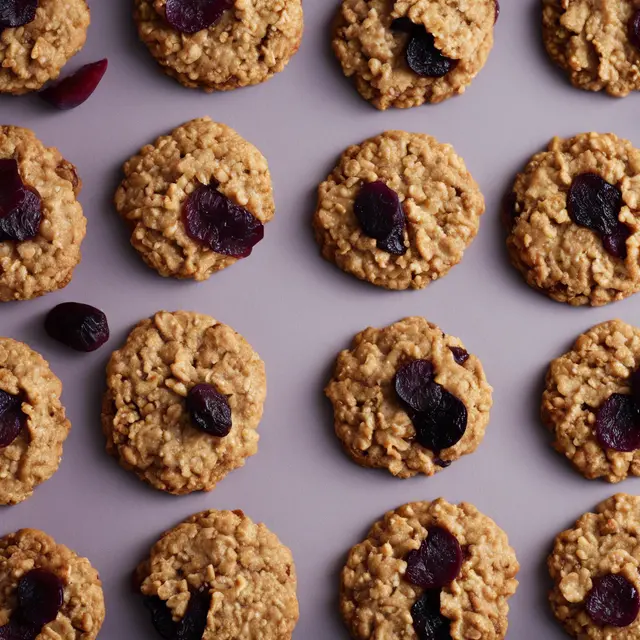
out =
column 414, row 385
column 17, row 13
column 460, row 355
column 12, row 418
column 634, row 29
column 618, row 423
column 79, row 326
column 209, row 410
column 428, row 622
column 425, row 59
column 193, row 624
column 40, row 597
column 437, row 562
column 191, row 16
column 72, row 91
column 613, row 600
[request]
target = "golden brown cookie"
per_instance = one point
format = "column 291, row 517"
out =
column 33, row 425
column 595, row 42
column 378, row 428
column 145, row 416
column 248, row 44
column 164, row 175
column 220, row 570
column 33, row 54
column 584, row 383
column 592, row 562
column 548, row 240
column 440, row 201
column 379, row 597
column 44, row 262
column 372, row 39
column 31, row 561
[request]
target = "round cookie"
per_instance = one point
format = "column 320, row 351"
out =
column 82, row 612
column 565, row 260
column 144, row 413
column 45, row 263
column 375, row 427
column 35, row 53
column 372, row 47
column 441, row 203
column 35, row 453
column 222, row 563
column 162, row 176
column 250, row 43
column 591, row 41
column 378, row 601
column 599, row 365
column 599, row 544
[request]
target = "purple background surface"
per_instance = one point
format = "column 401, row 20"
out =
column 299, row 311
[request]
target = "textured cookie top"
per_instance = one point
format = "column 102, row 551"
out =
column 82, row 612
column 598, row 365
column 566, row 261
column 589, row 39
column 252, row 41
column 370, row 420
column 600, row 543
column 34, row 455
column 249, row 573
column 144, row 415
column 45, row 263
column 441, row 201
column 369, row 49
column 376, row 601
column 35, row 53
column 160, row 178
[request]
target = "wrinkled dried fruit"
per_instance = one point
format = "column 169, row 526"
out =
column 414, row 385
column 425, row 59
column 428, row 622
column 595, row 204
column 443, row 425
column 193, row 624
column 79, row 326
column 460, row 355
column 613, row 600
column 12, row 419
column 18, row 630
column 618, row 423
column 40, row 597
column 497, row 11
column 20, row 206
column 75, row 89
column 16, row 13
column 437, row 562
column 11, row 186
column 381, row 217
column 634, row 29
column 191, row 16
column 225, row 227
column 209, row 409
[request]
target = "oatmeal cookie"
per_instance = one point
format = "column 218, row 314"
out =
column 563, row 205
column 595, row 42
column 144, row 413
column 578, row 384
column 249, row 43
column 81, row 611
column 584, row 558
column 372, row 40
column 440, row 201
column 163, row 175
column 33, row 426
column 377, row 599
column 35, row 53
column 44, row 263
column 376, row 428
column 224, row 563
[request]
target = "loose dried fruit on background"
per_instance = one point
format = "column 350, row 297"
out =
column 79, row 326
column 72, row 91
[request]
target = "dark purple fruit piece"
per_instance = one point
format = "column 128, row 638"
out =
column 442, row 463
column 161, row 617
column 219, row 223
column 16, row 13
column 425, row 59
column 613, row 600
column 18, row 630
column 413, row 383
column 460, row 355
column 12, row 419
column 616, row 242
column 618, row 423
column 497, row 11
column 209, row 409
column 191, row 16
column 380, row 215
column 79, row 326
column 193, row 624
column 437, row 562
column 428, row 622
column 23, row 223
column 75, row 89
column 40, row 597
column 11, row 186
column 443, row 425
column 634, row 29
column 634, row 381
column 404, row 25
